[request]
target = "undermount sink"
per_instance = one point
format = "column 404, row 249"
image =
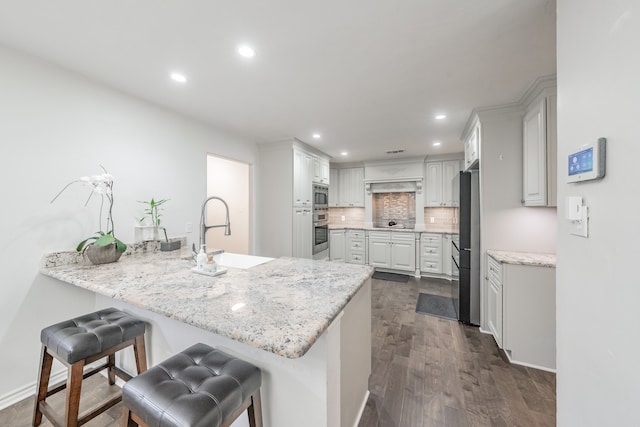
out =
column 230, row 259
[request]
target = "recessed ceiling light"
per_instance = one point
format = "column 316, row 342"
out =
column 316, row 136
column 177, row 77
column 344, row 153
column 437, row 143
column 440, row 116
column 246, row 51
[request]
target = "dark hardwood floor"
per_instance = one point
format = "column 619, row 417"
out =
column 426, row 371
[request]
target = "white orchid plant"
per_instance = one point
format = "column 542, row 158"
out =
column 102, row 185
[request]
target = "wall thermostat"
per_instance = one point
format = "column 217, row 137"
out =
column 587, row 163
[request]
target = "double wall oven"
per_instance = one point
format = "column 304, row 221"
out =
column 320, row 218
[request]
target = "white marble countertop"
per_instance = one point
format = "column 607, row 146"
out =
column 281, row 306
column 524, row 258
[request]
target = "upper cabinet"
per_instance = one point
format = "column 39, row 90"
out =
column 539, row 152
column 347, row 187
column 302, row 178
column 321, row 171
column 472, row 147
column 439, row 183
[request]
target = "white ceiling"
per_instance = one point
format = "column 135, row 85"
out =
column 369, row 75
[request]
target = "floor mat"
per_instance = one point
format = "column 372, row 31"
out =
column 393, row 277
column 435, row 305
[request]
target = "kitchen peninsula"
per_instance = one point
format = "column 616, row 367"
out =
column 305, row 323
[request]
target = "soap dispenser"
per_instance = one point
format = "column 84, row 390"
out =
column 201, row 259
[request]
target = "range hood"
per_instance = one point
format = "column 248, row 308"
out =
column 405, row 185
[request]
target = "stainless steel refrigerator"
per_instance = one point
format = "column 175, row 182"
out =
column 466, row 254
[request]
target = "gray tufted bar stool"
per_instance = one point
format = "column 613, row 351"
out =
column 198, row 387
column 77, row 343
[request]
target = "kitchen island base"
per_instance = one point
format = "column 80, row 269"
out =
column 326, row 387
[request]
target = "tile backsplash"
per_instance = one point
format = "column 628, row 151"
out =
column 399, row 207
column 353, row 217
column 442, row 218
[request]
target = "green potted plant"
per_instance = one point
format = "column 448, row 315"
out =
column 104, row 247
column 153, row 213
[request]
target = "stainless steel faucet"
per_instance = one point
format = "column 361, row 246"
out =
column 204, row 227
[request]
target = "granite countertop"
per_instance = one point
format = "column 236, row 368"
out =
column 524, row 258
column 440, row 230
column 288, row 302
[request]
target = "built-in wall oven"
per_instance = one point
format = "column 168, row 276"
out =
column 320, row 196
column 320, row 236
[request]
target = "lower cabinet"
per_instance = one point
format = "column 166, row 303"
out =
column 494, row 299
column 380, row 249
column 395, row 250
column 431, row 253
column 302, row 233
column 522, row 312
column 356, row 246
column 337, row 245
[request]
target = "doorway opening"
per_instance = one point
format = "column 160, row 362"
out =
column 231, row 181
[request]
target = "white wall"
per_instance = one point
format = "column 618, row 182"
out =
column 505, row 224
column 598, row 289
column 57, row 127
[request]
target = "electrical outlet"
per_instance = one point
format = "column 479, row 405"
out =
column 432, row 219
column 188, row 228
column 343, row 218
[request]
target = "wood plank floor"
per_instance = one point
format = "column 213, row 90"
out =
column 426, row 372
column 429, row 371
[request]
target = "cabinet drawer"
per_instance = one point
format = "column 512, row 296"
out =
column 355, row 258
column 431, row 265
column 429, row 251
column 356, row 234
column 402, row 237
column 356, row 244
column 494, row 270
column 380, row 235
column 432, row 238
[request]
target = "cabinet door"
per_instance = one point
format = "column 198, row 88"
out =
column 337, row 245
column 434, row 184
column 379, row 253
column 334, row 193
column 317, row 170
column 472, row 147
column 446, row 255
column 495, row 310
column 325, row 176
column 403, row 255
column 534, row 152
column 302, row 233
column 357, row 187
column 303, row 177
column 449, row 170
column 344, row 192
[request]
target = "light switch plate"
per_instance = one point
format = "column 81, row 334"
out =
column 580, row 227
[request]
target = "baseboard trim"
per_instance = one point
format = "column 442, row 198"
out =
column 28, row 390
column 528, row 365
column 361, row 411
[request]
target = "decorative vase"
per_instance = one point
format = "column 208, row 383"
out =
column 170, row 246
column 102, row 254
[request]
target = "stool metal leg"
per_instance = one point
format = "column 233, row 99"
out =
column 44, row 373
column 111, row 374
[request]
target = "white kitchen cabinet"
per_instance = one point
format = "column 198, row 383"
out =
column 380, row 249
column 439, row 183
column 334, row 192
column 472, row 147
column 539, row 152
column 446, row 255
column 494, row 299
column 302, row 233
column 522, row 312
column 403, row 251
column 431, row 253
column 337, row 245
column 302, row 178
column 356, row 244
column 321, row 171
column 351, row 187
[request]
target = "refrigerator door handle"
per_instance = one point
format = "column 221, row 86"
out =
column 455, row 262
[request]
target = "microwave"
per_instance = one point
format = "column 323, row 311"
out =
column 320, row 196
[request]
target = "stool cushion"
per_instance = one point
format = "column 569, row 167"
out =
column 91, row 334
column 200, row 386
